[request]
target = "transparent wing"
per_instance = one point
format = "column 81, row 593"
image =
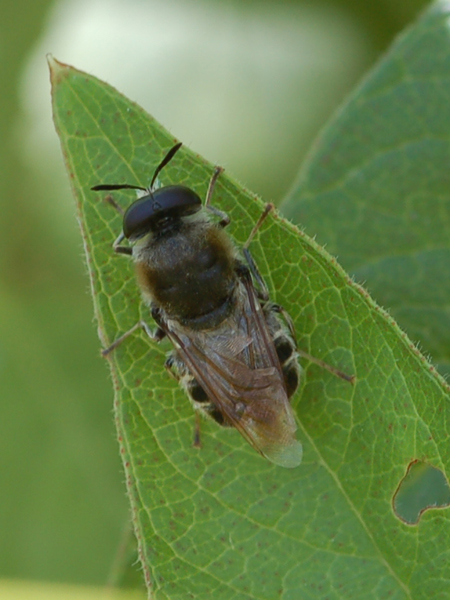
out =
column 237, row 366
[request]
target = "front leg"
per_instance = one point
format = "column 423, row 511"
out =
column 156, row 335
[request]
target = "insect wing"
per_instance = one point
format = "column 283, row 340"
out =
column 238, row 368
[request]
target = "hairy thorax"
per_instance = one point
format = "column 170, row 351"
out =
column 189, row 273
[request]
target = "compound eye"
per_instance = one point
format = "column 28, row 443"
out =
column 164, row 205
column 137, row 217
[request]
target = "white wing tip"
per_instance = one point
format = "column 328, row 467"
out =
column 285, row 456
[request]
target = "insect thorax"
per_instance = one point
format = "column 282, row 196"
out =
column 188, row 272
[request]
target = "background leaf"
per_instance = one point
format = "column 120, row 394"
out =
column 223, row 522
column 376, row 188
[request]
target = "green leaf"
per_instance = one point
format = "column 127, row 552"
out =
column 222, row 522
column 376, row 188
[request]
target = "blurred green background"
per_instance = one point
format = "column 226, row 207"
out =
column 248, row 85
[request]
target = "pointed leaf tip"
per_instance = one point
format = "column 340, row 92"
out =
column 57, row 69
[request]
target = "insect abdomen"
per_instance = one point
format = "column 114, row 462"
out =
column 285, row 348
column 194, row 390
column 286, row 352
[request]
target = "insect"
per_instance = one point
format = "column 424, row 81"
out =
column 234, row 351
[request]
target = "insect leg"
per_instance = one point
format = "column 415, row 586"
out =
column 157, row 335
column 224, row 218
column 110, row 200
column 263, row 294
column 262, row 290
column 287, row 319
column 197, row 443
column 267, row 209
column 118, row 249
column 327, row 367
column 212, row 184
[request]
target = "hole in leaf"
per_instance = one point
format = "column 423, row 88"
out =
column 423, row 487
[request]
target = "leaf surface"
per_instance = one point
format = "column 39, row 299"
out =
column 376, row 187
column 222, row 522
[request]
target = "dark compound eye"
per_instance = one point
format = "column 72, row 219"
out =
column 170, row 202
